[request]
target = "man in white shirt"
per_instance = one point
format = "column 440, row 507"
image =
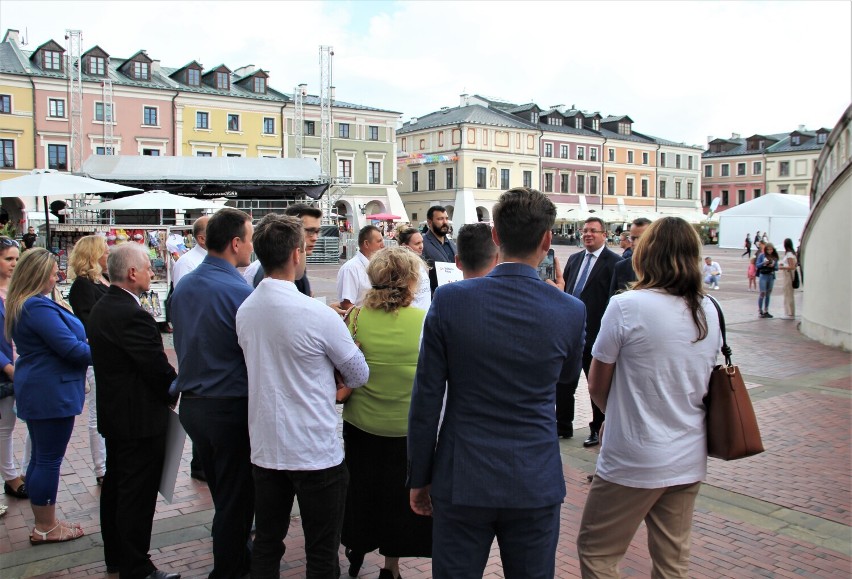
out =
column 191, row 259
column 352, row 279
column 295, row 448
column 712, row 271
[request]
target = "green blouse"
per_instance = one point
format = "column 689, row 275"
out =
column 391, row 345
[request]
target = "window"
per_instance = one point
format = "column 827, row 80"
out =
column 51, row 60
column 344, row 168
column 677, row 189
column 140, row 70
column 623, row 128
column 644, row 187
column 611, row 157
column 504, row 179
column 6, row 104
column 56, row 108
column 97, row 65
column 741, row 168
column 644, row 158
column 581, row 183
column 593, row 154
column 708, row 170
column 677, row 161
column 548, row 149
column 193, row 77
column 564, row 182
column 375, row 170
column 430, row 176
column 610, row 185
column 57, row 157
column 726, row 170
column 99, row 111
column 104, row 151
column 415, row 181
column 689, row 163
column 310, row 128
column 662, row 189
column 708, row 198
column 578, row 123
column 796, row 139
column 233, row 155
column 203, row 154
column 724, row 197
column 689, row 190
column 7, row 148
column 581, row 153
column 563, row 151
column 343, row 130
column 784, row 169
column 151, row 152
column 149, row 116
column 630, row 186
column 373, row 133
column 449, row 178
column 480, row 178
column 740, row 196
column 756, row 193
column 222, row 81
column 528, row 179
column 662, row 159
column 593, row 184
column 548, row 182
column 233, row 122
column 757, row 168
column 202, row 120
column 630, row 157
column 259, row 85
column 268, row 126
column 821, row 138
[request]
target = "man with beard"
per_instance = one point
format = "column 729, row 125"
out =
column 436, row 246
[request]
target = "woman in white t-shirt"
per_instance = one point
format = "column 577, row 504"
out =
column 652, row 362
column 411, row 238
column 788, row 265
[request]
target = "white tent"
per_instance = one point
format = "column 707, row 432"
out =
column 778, row 214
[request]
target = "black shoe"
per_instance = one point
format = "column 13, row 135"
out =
column 159, row 574
column 355, row 561
column 767, row 315
column 386, row 574
column 198, row 475
column 112, row 569
column 566, row 435
column 593, row 440
column 19, row 493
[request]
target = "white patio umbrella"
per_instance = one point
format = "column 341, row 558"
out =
column 44, row 182
column 155, row 200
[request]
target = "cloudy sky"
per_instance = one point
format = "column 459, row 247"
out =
column 681, row 70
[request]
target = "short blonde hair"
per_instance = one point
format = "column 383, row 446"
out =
column 392, row 272
column 84, row 258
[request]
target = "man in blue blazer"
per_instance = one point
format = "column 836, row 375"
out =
column 436, row 245
column 496, row 346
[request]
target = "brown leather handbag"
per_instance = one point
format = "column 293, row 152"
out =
column 732, row 430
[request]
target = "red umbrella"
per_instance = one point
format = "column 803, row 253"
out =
column 383, row 217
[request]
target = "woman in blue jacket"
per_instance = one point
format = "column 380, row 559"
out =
column 49, row 383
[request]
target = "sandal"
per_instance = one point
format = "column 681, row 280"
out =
column 65, row 534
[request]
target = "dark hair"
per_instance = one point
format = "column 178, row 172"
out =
column 365, row 233
column 788, row 245
column 773, row 254
column 224, row 226
column 668, row 257
column 404, row 234
column 599, row 220
column 433, row 209
column 474, row 246
column 275, row 238
column 300, row 209
column 521, row 217
column 641, row 222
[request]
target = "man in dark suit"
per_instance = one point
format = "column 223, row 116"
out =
column 587, row 277
column 622, row 273
column 496, row 468
column 133, row 376
column 436, row 246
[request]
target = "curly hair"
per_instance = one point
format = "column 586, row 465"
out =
column 84, row 258
column 393, row 272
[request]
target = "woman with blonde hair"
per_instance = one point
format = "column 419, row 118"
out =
column 88, row 265
column 411, row 238
column 375, row 419
column 49, row 377
column 650, row 371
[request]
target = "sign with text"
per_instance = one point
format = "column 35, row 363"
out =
column 447, row 272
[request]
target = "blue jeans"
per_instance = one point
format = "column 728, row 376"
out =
column 322, row 498
column 712, row 280
column 50, row 438
column 766, row 283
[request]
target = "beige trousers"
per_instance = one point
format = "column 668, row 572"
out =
column 789, row 300
column 612, row 515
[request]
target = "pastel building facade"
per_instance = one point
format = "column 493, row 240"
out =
column 678, row 177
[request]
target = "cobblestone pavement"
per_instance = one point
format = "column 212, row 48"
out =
column 784, row 513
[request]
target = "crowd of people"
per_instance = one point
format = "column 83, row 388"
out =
column 453, row 404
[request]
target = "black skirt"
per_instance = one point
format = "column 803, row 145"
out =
column 378, row 515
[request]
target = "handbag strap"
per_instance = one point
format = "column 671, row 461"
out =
column 726, row 350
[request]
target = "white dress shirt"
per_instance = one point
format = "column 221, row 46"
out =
column 187, row 262
column 353, row 283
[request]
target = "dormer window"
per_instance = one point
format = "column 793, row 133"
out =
column 260, row 85
column 97, row 66
column 222, row 81
column 623, row 128
column 51, row 60
column 141, row 70
column 534, row 117
column 193, row 77
column 578, row 123
column 796, row 140
column 821, row 138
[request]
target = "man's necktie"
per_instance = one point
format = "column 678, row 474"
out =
column 578, row 287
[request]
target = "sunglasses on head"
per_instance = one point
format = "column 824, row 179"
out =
column 7, row 242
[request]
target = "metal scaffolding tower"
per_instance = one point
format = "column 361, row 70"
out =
column 325, row 55
column 109, row 137
column 74, row 39
column 299, row 94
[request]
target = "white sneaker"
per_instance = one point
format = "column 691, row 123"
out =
column 715, row 287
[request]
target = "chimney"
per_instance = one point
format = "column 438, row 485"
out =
column 735, row 135
column 710, row 138
column 13, row 36
column 245, row 70
column 155, row 66
column 802, row 128
column 413, row 121
column 465, row 101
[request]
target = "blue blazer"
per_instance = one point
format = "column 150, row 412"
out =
column 497, row 345
column 52, row 359
column 5, row 344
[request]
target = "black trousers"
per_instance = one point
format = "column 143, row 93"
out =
column 565, row 403
column 218, row 428
column 128, row 501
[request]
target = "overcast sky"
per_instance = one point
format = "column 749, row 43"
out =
column 681, row 70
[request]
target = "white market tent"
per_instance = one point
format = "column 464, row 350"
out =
column 778, row 214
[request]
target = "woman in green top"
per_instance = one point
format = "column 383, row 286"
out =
column 375, row 419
